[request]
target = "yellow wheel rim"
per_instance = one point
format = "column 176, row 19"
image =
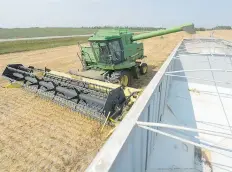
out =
column 124, row 80
column 144, row 69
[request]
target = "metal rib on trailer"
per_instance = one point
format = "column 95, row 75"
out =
column 94, row 100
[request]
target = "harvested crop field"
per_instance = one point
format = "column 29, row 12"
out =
column 38, row 135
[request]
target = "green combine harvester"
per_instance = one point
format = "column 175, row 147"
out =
column 113, row 56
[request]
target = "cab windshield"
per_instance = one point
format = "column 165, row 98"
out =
column 109, row 52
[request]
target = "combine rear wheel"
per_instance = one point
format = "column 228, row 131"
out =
column 143, row 68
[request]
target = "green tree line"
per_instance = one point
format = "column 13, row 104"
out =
column 157, row 28
column 143, row 28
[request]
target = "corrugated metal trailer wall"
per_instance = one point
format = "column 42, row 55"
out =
column 129, row 147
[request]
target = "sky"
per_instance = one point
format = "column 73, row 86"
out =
column 77, row 13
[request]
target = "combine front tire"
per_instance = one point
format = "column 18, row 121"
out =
column 125, row 78
column 143, row 68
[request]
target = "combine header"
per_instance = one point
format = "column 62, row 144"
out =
column 113, row 56
column 91, row 99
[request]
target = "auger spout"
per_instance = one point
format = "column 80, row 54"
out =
column 189, row 28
